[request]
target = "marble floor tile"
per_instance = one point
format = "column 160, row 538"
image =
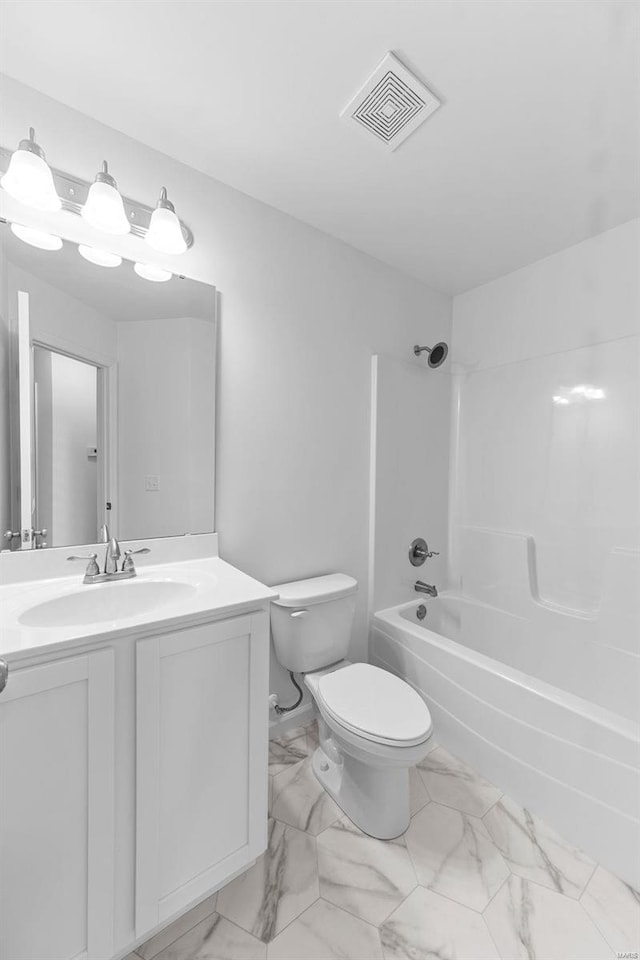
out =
column 324, row 932
column 313, row 740
column 451, row 782
column 454, row 855
column 215, row 939
column 429, row 927
column 300, row 800
column 614, row 907
column 277, row 888
column 529, row 921
column 535, row 852
column 176, row 929
column 287, row 750
column 418, row 795
column 365, row 876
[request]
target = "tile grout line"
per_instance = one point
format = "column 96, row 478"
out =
column 177, row 920
column 594, row 922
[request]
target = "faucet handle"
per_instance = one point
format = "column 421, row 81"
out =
column 127, row 563
column 419, row 552
column 92, row 567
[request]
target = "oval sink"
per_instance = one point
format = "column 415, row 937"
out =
column 106, row 602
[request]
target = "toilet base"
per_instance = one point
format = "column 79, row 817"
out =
column 376, row 799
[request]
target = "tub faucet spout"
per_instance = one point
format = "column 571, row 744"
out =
column 421, row 587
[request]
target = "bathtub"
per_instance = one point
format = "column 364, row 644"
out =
column 572, row 762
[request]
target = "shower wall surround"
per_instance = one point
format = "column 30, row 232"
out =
column 545, row 504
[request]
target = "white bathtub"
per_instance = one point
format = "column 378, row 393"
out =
column 574, row 763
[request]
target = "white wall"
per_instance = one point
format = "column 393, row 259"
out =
column 5, row 424
column 549, row 449
column 409, row 475
column 301, row 316
column 56, row 317
column 165, row 426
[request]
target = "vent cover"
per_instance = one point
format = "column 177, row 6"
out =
column 391, row 104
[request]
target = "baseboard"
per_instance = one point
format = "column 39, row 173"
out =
column 299, row 717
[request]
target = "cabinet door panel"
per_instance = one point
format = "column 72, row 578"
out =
column 57, row 809
column 195, row 809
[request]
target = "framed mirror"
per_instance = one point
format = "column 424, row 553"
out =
column 107, row 400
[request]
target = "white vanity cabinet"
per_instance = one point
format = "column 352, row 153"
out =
column 133, row 778
column 201, row 760
column 57, row 810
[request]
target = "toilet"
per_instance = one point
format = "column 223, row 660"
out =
column 372, row 725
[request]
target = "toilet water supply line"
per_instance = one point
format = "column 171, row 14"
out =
column 273, row 699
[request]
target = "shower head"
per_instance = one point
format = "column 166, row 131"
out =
column 437, row 354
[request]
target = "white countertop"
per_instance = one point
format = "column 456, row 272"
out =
column 220, row 590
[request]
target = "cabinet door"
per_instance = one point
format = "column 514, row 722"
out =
column 201, row 783
column 57, row 810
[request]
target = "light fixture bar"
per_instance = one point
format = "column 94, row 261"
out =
column 73, row 193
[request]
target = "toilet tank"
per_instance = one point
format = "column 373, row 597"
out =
column 311, row 621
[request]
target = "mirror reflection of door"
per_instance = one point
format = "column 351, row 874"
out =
column 67, row 460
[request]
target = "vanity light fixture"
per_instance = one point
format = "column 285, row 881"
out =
column 28, row 177
column 36, row 238
column 101, row 258
column 104, row 208
column 150, row 272
column 165, row 231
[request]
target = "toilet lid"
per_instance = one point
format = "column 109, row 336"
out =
column 375, row 704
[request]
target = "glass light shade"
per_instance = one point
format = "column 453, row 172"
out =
column 36, row 238
column 149, row 272
column 165, row 233
column 29, row 180
column 104, row 209
column 101, row 258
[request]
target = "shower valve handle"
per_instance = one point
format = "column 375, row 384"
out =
column 419, row 552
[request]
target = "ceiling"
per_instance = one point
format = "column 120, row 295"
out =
column 535, row 147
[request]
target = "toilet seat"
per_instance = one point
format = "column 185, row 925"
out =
column 375, row 705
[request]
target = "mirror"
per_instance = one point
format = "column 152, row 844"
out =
column 107, row 400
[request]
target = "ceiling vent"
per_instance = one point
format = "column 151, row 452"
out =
column 391, row 104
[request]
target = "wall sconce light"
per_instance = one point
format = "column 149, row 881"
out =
column 165, row 231
column 28, row 177
column 104, row 208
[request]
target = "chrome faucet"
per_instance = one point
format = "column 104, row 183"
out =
column 112, row 555
column 421, row 587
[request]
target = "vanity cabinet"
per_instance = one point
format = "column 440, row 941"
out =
column 124, row 802
column 201, row 761
column 57, row 810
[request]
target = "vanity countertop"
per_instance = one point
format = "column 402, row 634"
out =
column 178, row 593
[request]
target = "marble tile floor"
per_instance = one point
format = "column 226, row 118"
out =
column 475, row 877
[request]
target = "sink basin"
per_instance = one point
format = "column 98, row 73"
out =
column 106, row 602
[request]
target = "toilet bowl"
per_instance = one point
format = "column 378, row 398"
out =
column 372, row 725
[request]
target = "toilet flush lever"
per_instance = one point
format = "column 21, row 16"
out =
column 299, row 613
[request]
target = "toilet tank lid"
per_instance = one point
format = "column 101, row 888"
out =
column 303, row 593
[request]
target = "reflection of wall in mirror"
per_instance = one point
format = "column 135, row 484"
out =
column 5, row 468
column 60, row 319
column 166, row 426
